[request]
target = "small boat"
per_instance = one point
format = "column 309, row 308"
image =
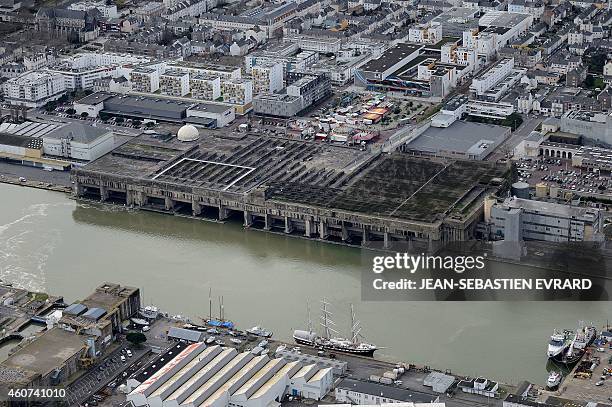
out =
column 554, row 380
column 258, row 331
column 210, row 340
column 236, row 341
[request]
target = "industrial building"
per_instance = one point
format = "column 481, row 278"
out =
column 77, row 141
column 311, row 189
column 73, row 342
column 517, row 219
column 464, row 140
column 389, row 62
column 157, row 108
column 363, row 393
column 101, row 314
column 48, row 360
column 218, row 376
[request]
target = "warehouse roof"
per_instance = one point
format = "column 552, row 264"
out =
column 77, row 132
column 20, row 141
column 185, row 334
column 75, row 309
column 94, row 98
column 390, row 57
column 461, row 136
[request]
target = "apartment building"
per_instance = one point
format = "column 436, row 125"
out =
column 145, row 79
column 34, row 89
column 429, row 33
column 237, row 91
column 205, row 87
column 174, row 83
column 267, row 78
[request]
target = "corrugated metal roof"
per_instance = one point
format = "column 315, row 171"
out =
column 75, row 309
column 185, row 334
column 95, row 313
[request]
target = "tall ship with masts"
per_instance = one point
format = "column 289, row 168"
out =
column 330, row 340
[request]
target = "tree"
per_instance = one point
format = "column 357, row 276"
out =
column 136, row 338
column 70, row 111
column 149, row 124
column 589, row 81
column 50, row 106
column 84, row 115
column 119, row 120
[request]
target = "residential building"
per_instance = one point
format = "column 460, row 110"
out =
column 34, row 89
column 174, row 83
column 267, row 78
column 107, row 9
column 145, row 79
column 205, row 86
column 429, row 33
column 237, row 91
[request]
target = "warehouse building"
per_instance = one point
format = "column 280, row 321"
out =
column 78, row 141
column 365, row 393
column 217, row 376
column 163, row 109
column 461, row 139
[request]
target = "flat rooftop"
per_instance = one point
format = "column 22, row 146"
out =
column 50, row 350
column 227, row 164
column 397, row 186
column 390, row 57
column 459, row 137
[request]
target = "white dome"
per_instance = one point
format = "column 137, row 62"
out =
column 188, row 133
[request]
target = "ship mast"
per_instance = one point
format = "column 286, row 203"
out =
column 309, row 320
column 355, row 327
column 326, row 320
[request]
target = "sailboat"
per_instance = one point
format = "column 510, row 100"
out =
column 330, row 340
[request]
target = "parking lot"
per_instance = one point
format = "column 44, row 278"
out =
column 560, row 173
column 110, row 371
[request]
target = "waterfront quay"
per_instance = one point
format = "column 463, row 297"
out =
column 86, row 348
column 584, row 387
column 298, row 188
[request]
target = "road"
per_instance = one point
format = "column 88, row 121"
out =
column 529, row 124
column 35, row 174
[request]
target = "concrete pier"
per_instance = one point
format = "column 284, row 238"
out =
column 248, row 219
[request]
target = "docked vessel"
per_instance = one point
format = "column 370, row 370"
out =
column 333, row 343
column 258, row 331
column 554, row 380
column 559, row 342
column 583, row 337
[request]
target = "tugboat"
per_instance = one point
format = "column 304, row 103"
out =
column 329, row 342
column 554, row 380
column 559, row 342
